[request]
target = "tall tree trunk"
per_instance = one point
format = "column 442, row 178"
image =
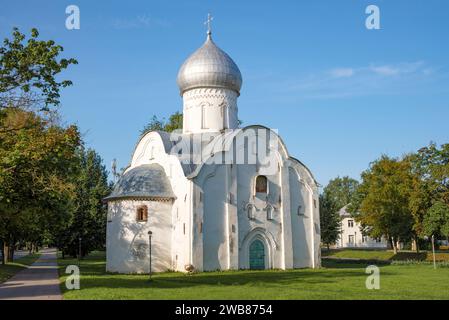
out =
column 2, row 252
column 393, row 245
column 415, row 244
column 11, row 253
column 5, row 253
column 433, row 252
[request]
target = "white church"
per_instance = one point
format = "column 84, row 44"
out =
column 213, row 196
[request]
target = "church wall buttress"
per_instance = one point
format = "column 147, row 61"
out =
column 197, row 231
column 232, row 218
column 212, row 181
column 287, row 245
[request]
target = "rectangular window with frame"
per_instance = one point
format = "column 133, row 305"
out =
column 351, row 239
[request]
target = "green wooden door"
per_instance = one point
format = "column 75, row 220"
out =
column 257, row 255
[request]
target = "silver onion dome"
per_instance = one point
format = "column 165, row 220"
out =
column 209, row 67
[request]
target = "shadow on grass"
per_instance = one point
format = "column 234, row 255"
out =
column 93, row 275
column 161, row 281
column 403, row 256
column 342, row 263
column 375, row 255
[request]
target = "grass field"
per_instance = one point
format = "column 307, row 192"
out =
column 10, row 269
column 387, row 255
column 333, row 281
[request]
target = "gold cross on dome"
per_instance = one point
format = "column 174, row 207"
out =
column 207, row 22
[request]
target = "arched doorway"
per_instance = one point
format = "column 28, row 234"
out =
column 257, row 255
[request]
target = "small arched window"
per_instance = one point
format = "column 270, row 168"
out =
column 261, row 184
column 269, row 209
column 250, row 211
column 142, row 214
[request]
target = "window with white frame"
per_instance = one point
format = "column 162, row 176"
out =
column 351, row 239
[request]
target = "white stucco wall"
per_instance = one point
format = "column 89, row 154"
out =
column 127, row 247
column 356, row 232
column 227, row 231
column 301, row 216
column 222, row 196
column 214, row 231
column 150, row 149
column 305, row 216
column 207, row 225
column 209, row 109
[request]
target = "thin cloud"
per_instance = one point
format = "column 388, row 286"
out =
column 385, row 70
column 375, row 79
column 139, row 22
column 342, row 72
column 402, row 68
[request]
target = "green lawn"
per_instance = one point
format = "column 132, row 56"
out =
column 387, row 255
column 10, row 269
column 334, row 281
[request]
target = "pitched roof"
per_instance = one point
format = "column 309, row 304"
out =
column 145, row 181
column 343, row 212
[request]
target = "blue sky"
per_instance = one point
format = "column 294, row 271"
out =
column 339, row 94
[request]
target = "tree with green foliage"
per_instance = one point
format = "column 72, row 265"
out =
column 174, row 122
column 341, row 190
column 37, row 154
column 421, row 196
column 430, row 171
column 337, row 194
column 330, row 222
column 37, row 160
column 381, row 203
column 436, row 221
column 89, row 215
column 29, row 69
column 433, row 163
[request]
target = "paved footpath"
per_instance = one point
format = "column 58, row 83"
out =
column 40, row 281
column 19, row 254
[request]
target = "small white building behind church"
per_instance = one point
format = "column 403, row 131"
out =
column 351, row 235
column 214, row 196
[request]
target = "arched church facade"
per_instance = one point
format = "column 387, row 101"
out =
column 214, row 196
